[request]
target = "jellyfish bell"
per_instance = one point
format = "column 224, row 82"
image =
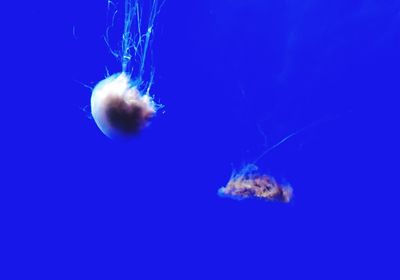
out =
column 119, row 109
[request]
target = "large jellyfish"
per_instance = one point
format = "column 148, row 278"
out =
column 121, row 104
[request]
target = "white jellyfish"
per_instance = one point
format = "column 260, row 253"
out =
column 121, row 104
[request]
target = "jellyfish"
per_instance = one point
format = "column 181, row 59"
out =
column 121, row 104
column 249, row 182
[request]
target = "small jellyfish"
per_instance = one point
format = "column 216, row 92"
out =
column 121, row 104
column 250, row 184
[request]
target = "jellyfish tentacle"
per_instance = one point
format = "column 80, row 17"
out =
column 136, row 45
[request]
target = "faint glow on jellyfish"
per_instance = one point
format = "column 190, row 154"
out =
column 121, row 104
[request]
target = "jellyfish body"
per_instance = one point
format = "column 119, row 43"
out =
column 250, row 184
column 118, row 107
column 121, row 104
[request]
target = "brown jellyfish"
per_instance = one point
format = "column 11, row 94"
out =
column 248, row 184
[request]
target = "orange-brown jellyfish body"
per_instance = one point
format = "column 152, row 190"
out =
column 248, row 184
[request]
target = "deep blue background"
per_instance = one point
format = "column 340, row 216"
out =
column 236, row 77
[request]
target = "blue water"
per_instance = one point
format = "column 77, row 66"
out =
column 235, row 78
